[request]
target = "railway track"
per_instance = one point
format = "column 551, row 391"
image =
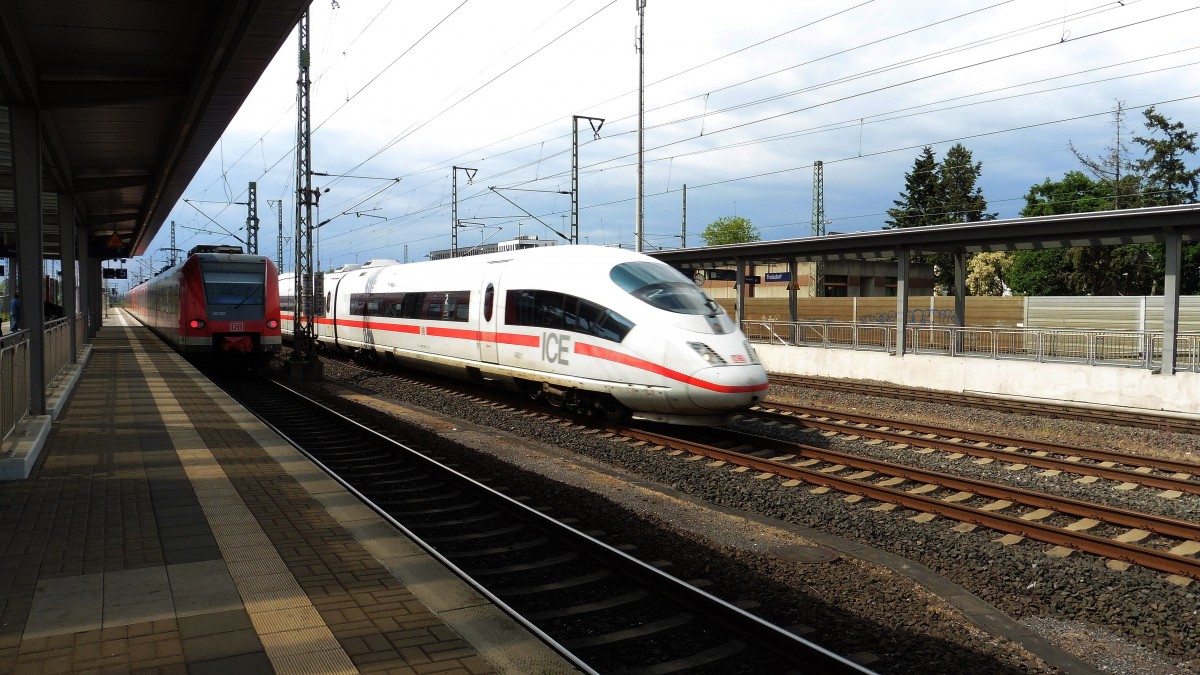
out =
column 1095, row 415
column 600, row 607
column 1130, row 470
column 1159, row 543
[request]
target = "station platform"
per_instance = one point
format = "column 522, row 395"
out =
column 165, row 529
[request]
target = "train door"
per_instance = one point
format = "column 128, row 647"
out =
column 489, row 320
column 332, row 308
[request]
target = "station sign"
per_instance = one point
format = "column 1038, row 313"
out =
column 731, row 275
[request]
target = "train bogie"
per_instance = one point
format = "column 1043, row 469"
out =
column 596, row 329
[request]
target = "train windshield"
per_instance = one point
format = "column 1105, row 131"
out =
column 661, row 286
column 234, row 291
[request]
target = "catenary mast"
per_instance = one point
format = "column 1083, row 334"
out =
column 304, row 354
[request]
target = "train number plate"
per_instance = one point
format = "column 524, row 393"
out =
column 237, row 326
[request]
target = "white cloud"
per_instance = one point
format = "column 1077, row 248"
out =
column 495, row 85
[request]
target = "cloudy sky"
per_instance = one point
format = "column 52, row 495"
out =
column 740, row 100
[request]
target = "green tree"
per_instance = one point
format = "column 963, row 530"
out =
column 962, row 200
column 729, row 230
column 1114, row 168
column 1128, row 269
column 1040, row 272
column 1049, row 271
column 986, row 272
column 1160, row 178
column 940, row 193
column 921, row 203
column 1168, row 180
column 1075, row 193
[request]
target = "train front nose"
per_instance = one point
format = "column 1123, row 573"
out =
column 722, row 388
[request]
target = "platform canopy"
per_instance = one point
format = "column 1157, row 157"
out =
column 128, row 97
column 1103, row 228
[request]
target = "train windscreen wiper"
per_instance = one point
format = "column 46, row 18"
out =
column 253, row 291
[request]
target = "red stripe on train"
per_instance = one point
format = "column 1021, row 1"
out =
column 522, row 340
column 599, row 352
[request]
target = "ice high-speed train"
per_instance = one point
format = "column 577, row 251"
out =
column 219, row 302
column 599, row 330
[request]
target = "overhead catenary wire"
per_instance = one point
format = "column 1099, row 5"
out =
column 742, row 82
column 614, row 161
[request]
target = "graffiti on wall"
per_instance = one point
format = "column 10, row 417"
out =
column 931, row 317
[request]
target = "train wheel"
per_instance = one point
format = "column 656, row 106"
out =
column 609, row 412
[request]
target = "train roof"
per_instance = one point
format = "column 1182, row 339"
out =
column 559, row 254
column 568, row 268
column 215, row 248
column 225, row 257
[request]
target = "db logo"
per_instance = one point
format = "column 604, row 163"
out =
column 237, row 326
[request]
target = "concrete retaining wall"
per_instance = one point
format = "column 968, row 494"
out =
column 1093, row 385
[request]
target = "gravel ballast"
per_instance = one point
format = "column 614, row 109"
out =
column 772, row 545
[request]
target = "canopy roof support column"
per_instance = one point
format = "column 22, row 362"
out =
column 960, row 288
column 960, row 297
column 89, row 280
column 67, row 234
column 901, row 301
column 27, row 193
column 740, row 285
column 1173, row 262
column 793, row 312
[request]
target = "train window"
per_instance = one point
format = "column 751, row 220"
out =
column 661, row 286
column 457, row 305
column 518, row 308
column 559, row 311
column 602, row 322
column 571, row 317
column 489, row 301
column 548, row 309
column 410, row 308
column 234, row 290
column 391, row 305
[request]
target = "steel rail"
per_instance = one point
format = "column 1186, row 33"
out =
column 1150, row 558
column 706, row 605
column 1127, row 475
column 1106, row 416
column 1163, row 561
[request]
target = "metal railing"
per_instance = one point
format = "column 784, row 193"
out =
column 58, row 349
column 1131, row 349
column 14, row 380
column 15, row 398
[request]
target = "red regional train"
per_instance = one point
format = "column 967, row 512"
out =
column 595, row 329
column 220, row 302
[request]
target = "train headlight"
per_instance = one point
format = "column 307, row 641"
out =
column 707, row 353
column 197, row 323
column 272, row 324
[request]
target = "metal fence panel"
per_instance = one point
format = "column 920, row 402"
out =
column 1130, row 349
column 14, row 381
